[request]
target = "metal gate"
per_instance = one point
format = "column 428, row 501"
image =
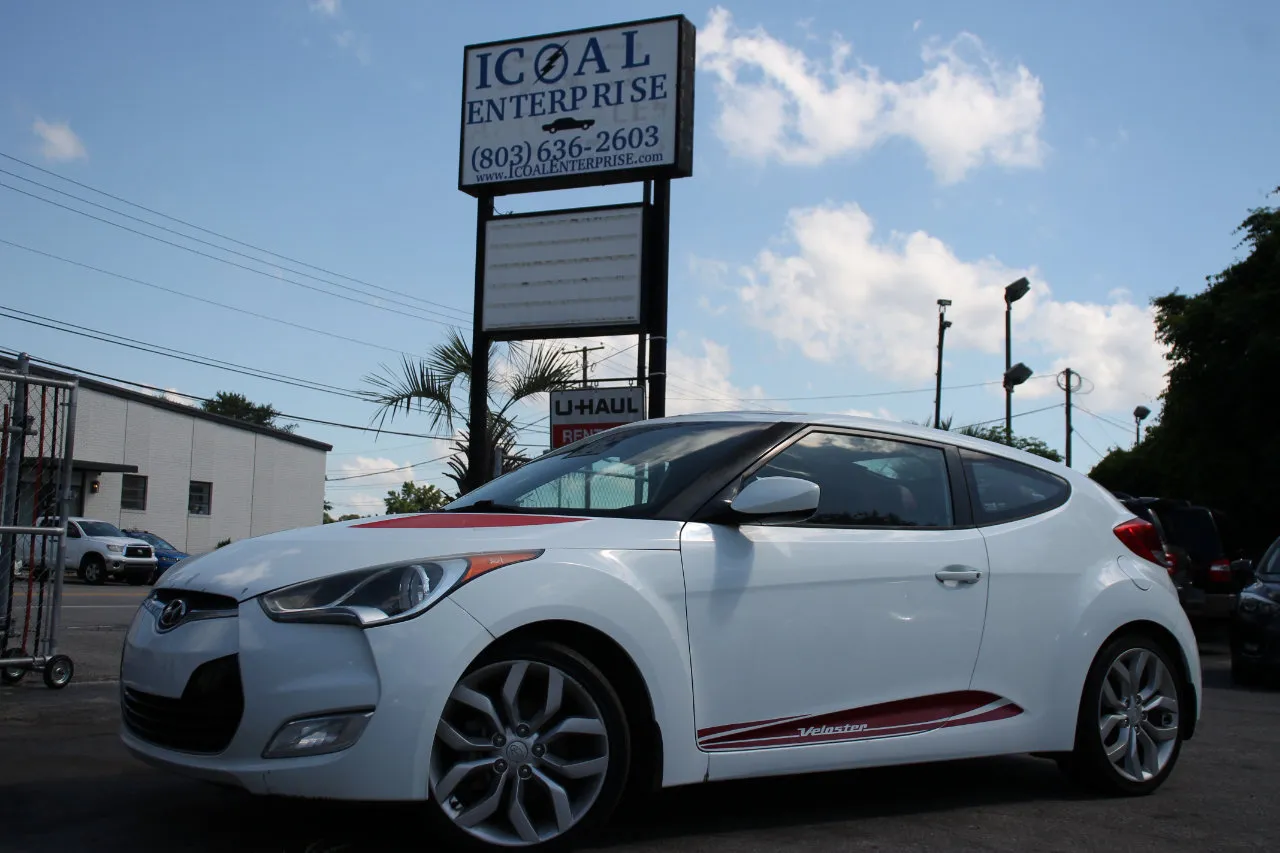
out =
column 35, row 500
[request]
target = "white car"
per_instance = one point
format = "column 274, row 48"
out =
column 673, row 602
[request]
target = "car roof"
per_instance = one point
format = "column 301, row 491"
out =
column 858, row 422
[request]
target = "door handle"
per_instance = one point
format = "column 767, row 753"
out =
column 959, row 574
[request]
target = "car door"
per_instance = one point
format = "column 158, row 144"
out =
column 861, row 623
column 75, row 545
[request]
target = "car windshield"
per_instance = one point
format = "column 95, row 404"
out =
column 1269, row 565
column 629, row 473
column 155, row 541
column 100, row 528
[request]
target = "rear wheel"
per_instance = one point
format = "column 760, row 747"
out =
column 93, row 570
column 1128, row 732
column 531, row 751
column 13, row 674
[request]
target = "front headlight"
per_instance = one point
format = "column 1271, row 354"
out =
column 381, row 594
column 1252, row 602
column 115, row 549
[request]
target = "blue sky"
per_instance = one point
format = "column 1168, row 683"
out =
column 853, row 163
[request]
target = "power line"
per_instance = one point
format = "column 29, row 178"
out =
column 1016, row 415
column 387, row 471
column 201, row 298
column 1080, row 435
column 262, row 273
column 204, row 361
column 221, row 236
column 900, row 392
column 204, row 242
column 1126, row 429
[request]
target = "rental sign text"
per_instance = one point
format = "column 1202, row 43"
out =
column 588, row 107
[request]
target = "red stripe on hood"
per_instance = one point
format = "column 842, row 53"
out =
column 458, row 520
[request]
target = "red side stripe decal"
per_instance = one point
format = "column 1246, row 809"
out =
column 907, row 716
column 456, row 520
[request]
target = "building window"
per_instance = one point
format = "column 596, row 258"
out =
column 200, row 498
column 133, row 492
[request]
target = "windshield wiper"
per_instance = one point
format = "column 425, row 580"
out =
column 486, row 505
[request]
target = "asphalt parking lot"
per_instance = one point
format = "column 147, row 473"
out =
column 65, row 784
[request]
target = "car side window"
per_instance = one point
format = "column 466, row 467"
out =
column 73, row 532
column 1004, row 490
column 869, row 482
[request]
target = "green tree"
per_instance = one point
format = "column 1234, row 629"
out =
column 438, row 386
column 995, row 433
column 234, row 405
column 1029, row 443
column 1216, row 442
column 415, row 498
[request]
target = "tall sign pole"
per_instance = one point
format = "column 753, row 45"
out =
column 589, row 107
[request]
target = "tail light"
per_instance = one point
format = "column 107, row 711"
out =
column 1220, row 570
column 1142, row 538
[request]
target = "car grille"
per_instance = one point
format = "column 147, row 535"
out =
column 203, row 720
column 196, row 600
column 137, row 551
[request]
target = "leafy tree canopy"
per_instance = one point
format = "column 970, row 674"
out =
column 1029, row 443
column 233, row 405
column 1216, row 442
column 415, row 498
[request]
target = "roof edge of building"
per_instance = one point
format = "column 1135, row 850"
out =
column 163, row 403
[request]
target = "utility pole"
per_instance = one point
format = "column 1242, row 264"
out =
column 943, row 325
column 584, row 351
column 1069, row 381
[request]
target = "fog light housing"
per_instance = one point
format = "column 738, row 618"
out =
column 320, row 735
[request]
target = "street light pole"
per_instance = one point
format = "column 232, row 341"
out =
column 1012, row 293
column 1139, row 415
column 943, row 324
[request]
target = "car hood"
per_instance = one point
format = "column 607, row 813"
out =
column 251, row 567
column 119, row 540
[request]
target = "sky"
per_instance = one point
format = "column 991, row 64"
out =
column 853, row 163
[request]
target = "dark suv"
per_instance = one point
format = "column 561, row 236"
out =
column 1202, row 552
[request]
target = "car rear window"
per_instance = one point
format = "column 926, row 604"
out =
column 1004, row 490
column 1192, row 528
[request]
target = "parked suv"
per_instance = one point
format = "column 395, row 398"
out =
column 1201, row 551
column 99, row 550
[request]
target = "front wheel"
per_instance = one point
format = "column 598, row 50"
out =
column 93, row 570
column 1128, row 732
column 532, row 750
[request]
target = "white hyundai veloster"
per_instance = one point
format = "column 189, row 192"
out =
column 672, row 602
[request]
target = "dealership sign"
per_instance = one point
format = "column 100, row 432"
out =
column 595, row 106
column 581, row 412
column 567, row 271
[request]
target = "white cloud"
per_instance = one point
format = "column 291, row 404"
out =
column 839, row 291
column 327, row 8
column 356, row 43
column 58, row 142
column 701, row 383
column 778, row 103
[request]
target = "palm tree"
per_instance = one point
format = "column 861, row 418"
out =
column 439, row 386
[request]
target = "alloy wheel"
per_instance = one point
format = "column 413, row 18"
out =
column 1138, row 714
column 521, row 753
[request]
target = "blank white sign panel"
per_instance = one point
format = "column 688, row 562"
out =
column 567, row 269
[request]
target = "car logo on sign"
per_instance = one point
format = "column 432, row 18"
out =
column 172, row 615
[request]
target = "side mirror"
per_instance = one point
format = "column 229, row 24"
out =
column 776, row 500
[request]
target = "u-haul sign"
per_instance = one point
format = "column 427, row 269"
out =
column 577, row 413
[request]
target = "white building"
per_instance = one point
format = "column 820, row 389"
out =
column 193, row 478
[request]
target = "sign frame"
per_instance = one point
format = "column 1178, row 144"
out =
column 686, row 68
column 584, row 331
column 593, row 391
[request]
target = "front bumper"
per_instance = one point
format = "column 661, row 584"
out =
column 118, row 564
column 402, row 672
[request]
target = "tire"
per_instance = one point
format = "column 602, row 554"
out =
column 525, row 763
column 13, row 674
column 58, row 671
column 93, row 570
column 1245, row 673
column 1159, row 739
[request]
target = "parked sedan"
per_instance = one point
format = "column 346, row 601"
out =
column 167, row 556
column 682, row 600
column 1255, row 624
